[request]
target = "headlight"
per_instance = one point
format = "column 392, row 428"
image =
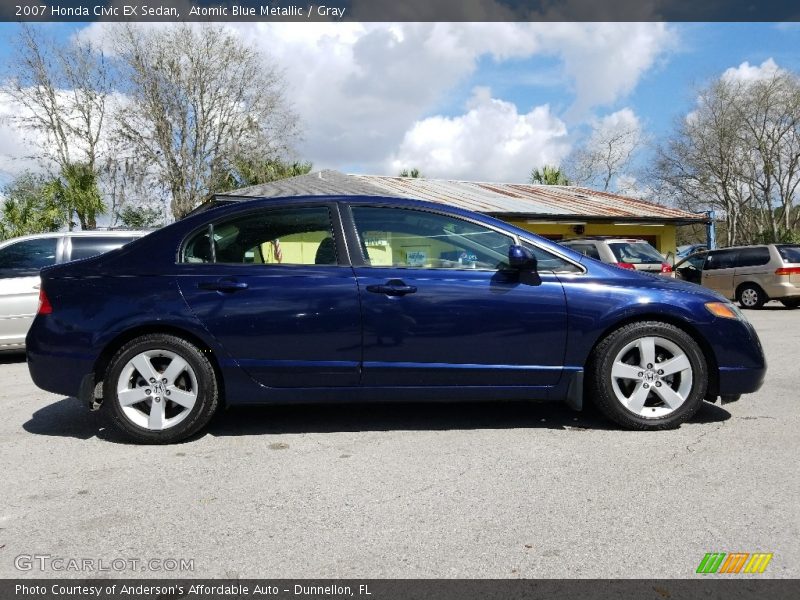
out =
column 725, row 310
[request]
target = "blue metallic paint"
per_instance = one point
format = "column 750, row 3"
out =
column 463, row 335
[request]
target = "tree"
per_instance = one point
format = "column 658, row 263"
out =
column 738, row 153
column 140, row 217
column 697, row 164
column 29, row 206
column 198, row 96
column 414, row 173
column 548, row 175
column 768, row 111
column 77, row 192
column 603, row 159
column 244, row 172
column 63, row 90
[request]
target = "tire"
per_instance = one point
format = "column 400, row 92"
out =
column 792, row 303
column 751, row 296
column 638, row 396
column 187, row 400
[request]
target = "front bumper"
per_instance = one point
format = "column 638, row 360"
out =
column 740, row 358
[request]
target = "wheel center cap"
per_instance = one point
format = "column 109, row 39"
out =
column 158, row 388
column 650, row 376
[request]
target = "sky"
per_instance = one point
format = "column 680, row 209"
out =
column 477, row 101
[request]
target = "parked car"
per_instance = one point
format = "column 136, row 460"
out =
column 325, row 299
column 687, row 249
column 752, row 275
column 20, row 261
column 626, row 253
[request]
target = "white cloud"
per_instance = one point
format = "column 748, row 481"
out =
column 362, row 89
column 623, row 121
column 605, row 61
column 492, row 141
column 18, row 150
column 747, row 73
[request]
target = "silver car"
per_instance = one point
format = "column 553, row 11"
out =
column 750, row 274
column 627, row 253
column 20, row 261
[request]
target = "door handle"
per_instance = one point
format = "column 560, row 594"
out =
column 395, row 287
column 222, row 285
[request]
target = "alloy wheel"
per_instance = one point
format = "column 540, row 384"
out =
column 651, row 377
column 157, row 389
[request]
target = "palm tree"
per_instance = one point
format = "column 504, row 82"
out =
column 548, row 176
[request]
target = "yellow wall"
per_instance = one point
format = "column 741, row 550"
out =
column 297, row 249
column 664, row 234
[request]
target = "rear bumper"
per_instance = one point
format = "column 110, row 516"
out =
column 783, row 289
column 54, row 365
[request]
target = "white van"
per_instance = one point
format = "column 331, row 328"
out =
column 20, row 261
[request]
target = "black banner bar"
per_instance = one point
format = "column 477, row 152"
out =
column 711, row 588
column 399, row 10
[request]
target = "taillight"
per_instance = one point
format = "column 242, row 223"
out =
column 45, row 308
column 665, row 268
column 788, row 271
column 624, row 265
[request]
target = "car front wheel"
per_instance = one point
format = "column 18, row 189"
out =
column 648, row 375
column 160, row 389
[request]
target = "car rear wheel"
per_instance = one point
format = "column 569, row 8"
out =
column 792, row 303
column 160, row 389
column 751, row 296
column 648, row 375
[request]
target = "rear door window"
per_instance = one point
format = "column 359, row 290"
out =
column 85, row 247
column 721, row 259
column 26, row 257
column 286, row 236
column 753, row 257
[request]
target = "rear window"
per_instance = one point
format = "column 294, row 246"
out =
column 789, row 254
column 85, row 247
column 635, row 253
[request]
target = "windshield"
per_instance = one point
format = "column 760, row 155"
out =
column 635, row 253
column 790, row 254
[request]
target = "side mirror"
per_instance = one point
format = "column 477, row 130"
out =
column 519, row 257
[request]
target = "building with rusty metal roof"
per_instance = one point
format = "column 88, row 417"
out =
column 556, row 212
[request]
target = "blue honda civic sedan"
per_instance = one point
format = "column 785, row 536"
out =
column 318, row 299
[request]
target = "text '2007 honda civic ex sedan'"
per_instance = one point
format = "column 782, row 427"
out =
column 316, row 299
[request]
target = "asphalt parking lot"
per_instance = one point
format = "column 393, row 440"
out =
column 466, row 490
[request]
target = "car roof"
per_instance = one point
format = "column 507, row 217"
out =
column 178, row 232
column 742, row 247
column 233, row 205
column 604, row 238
